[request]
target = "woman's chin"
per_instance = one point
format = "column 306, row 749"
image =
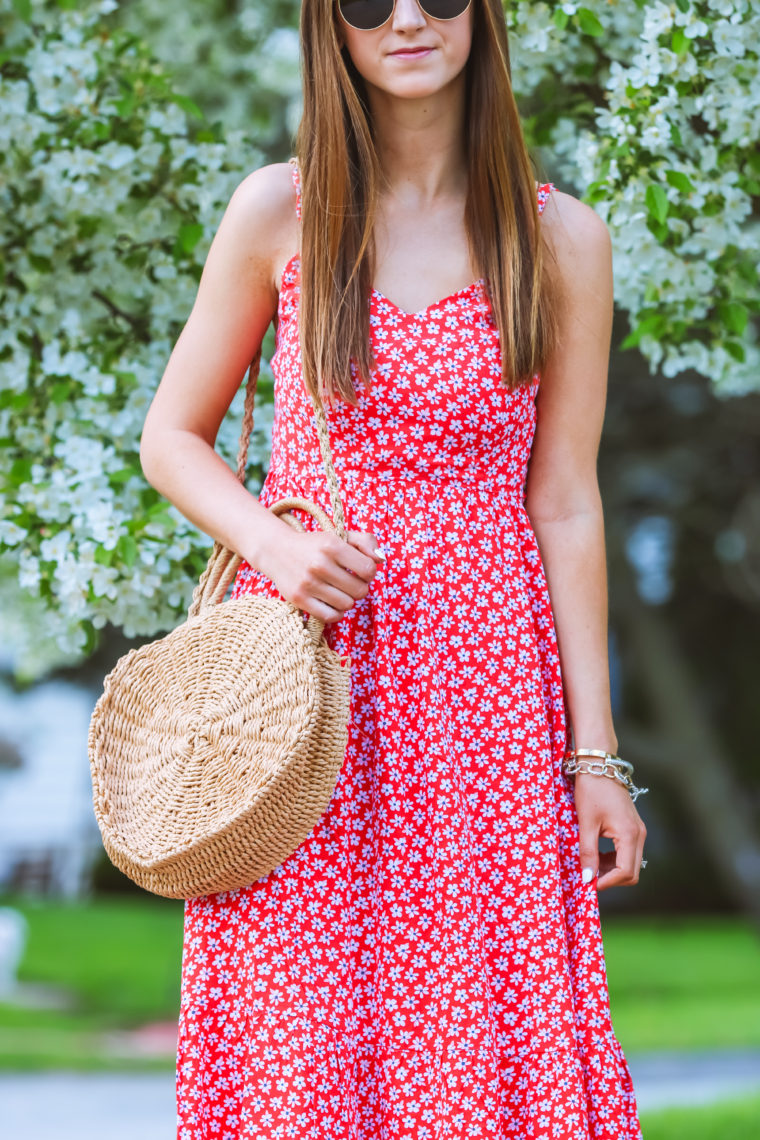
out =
column 418, row 86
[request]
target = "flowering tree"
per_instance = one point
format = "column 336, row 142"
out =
column 113, row 185
column 652, row 112
column 109, row 209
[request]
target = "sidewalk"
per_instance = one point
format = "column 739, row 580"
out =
column 665, row 1080
column 91, row 1106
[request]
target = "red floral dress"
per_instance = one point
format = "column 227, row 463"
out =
column 427, row 964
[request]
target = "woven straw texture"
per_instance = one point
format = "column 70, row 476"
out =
column 215, row 750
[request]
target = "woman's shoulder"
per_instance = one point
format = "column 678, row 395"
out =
column 268, row 192
column 264, row 205
column 580, row 243
column 569, row 220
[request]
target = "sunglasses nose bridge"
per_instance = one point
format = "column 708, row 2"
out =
column 458, row 8
column 412, row 4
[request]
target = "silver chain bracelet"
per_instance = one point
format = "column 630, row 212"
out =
column 608, row 765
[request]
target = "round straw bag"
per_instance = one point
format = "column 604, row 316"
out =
column 215, row 750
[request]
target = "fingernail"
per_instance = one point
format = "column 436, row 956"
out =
column 587, row 875
column 379, row 552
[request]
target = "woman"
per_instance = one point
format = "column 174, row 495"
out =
column 429, row 962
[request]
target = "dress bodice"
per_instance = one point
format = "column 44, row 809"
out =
column 436, row 407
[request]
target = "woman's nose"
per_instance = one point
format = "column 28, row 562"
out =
column 407, row 15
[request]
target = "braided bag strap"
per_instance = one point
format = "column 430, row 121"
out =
column 223, row 563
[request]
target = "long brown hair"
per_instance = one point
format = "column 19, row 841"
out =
column 341, row 177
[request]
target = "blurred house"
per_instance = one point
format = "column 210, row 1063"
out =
column 49, row 839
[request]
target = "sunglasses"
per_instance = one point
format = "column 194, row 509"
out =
column 369, row 15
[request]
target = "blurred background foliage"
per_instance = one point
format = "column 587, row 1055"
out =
column 126, row 127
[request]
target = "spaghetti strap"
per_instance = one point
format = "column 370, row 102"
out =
column 543, row 195
column 296, row 176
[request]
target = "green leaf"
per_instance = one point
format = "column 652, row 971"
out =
column 736, row 350
column 680, row 180
column 561, row 19
column 126, row 473
column 60, row 391
column 156, row 510
column 23, row 9
column 102, row 556
column 653, row 324
column 657, row 202
column 678, row 41
column 189, row 236
column 39, row 262
column 127, row 549
column 188, row 105
column 658, row 229
column 126, row 105
column 18, row 401
column 90, row 638
column 588, row 22
column 20, row 472
column 597, row 191
column 746, row 267
column 734, row 316
column 683, row 5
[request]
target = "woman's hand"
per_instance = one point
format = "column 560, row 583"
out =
column 319, row 572
column 604, row 807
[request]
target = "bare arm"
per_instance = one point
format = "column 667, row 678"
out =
column 562, row 496
column 234, row 306
column 236, row 301
column 564, row 504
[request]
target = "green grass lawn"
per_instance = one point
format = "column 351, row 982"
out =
column 735, row 1120
column 119, row 958
column 676, row 984
column 689, row 983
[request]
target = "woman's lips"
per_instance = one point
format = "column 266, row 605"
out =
column 413, row 53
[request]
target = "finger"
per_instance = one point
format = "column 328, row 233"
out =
column 324, row 603
column 352, row 557
column 606, row 862
column 588, row 843
column 625, row 871
column 338, row 599
column 338, row 564
column 337, row 578
column 640, row 854
column 367, row 543
column 321, row 610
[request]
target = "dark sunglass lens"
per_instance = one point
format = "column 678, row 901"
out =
column 444, row 9
column 366, row 14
